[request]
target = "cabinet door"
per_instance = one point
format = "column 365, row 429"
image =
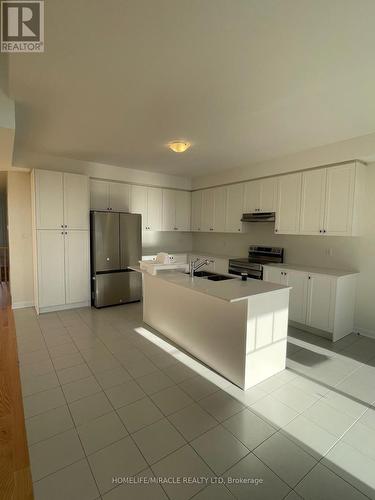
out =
column 313, row 201
column 154, row 208
column 196, row 210
column 51, row 268
column 49, row 199
column 234, row 208
column 289, row 204
column 99, row 195
column 321, row 300
column 268, row 194
column 169, row 210
column 208, row 203
column 273, row 275
column 298, row 295
column 220, row 204
column 76, row 201
column 119, row 197
column 183, row 210
column 252, row 197
column 139, row 203
column 77, row 280
column 340, row 200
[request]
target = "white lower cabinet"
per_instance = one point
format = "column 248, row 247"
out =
column 298, row 294
column 320, row 303
column 76, row 267
column 51, row 268
column 62, row 269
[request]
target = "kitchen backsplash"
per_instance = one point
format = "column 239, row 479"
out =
column 330, row 251
column 161, row 241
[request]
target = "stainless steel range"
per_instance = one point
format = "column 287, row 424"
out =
column 253, row 264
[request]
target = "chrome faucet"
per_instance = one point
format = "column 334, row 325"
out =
column 196, row 264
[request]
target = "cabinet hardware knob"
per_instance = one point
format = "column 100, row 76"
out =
column 62, row 232
column 309, row 277
column 276, row 230
column 324, row 231
column 62, row 225
column 65, row 225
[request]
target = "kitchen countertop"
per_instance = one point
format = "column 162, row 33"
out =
column 311, row 269
column 229, row 290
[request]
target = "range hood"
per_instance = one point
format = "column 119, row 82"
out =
column 259, row 217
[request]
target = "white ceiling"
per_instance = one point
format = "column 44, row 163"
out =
column 243, row 80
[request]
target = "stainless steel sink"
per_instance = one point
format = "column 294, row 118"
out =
column 211, row 276
column 219, row 277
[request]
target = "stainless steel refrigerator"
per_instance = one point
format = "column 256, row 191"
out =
column 116, row 244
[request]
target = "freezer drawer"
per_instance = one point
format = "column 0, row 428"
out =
column 117, row 288
column 106, row 241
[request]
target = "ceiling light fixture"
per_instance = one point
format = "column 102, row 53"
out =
column 179, row 146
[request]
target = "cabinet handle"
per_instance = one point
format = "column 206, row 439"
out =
column 309, row 277
column 65, row 225
column 211, row 228
column 276, row 230
column 324, row 231
column 320, row 230
column 62, row 225
column 238, row 229
column 62, row 232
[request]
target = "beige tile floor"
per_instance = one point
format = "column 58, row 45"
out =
column 104, row 397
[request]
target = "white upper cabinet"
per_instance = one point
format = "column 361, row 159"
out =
column 331, row 200
column 154, row 208
column 99, row 195
column 148, row 202
column 220, row 204
column 61, row 200
column 169, row 210
column 208, row 207
column 288, row 204
column 340, row 200
column 268, row 194
column 252, row 197
column 196, row 211
column 260, row 196
column 76, row 201
column 49, row 199
column 119, row 197
column 183, row 210
column 176, row 210
column 313, row 201
column 139, row 203
column 234, row 208
column 110, row 196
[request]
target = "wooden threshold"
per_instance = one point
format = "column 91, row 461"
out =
column 15, row 474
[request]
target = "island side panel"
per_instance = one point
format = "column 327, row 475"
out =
column 211, row 329
column 267, row 331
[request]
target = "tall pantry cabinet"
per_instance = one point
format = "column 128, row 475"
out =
column 60, row 220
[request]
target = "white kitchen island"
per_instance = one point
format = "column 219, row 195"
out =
column 237, row 328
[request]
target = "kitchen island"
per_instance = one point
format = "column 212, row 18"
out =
column 237, row 328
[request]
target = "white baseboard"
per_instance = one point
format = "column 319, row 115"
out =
column 365, row 332
column 22, row 305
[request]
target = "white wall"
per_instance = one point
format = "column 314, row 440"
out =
column 100, row 171
column 20, row 241
column 361, row 148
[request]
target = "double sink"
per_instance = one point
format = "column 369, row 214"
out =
column 212, row 276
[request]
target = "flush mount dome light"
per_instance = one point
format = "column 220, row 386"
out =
column 179, row 146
